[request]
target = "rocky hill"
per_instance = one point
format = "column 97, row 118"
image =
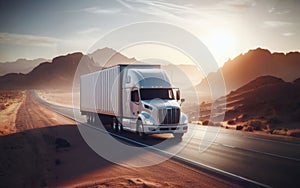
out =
column 20, row 66
column 253, row 64
column 265, row 103
column 59, row 73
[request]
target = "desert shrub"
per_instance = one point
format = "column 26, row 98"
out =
column 280, row 131
column 231, row 122
column 205, row 122
column 257, row 125
column 239, row 127
column 2, row 107
column 249, row 129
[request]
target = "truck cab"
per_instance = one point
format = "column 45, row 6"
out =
column 150, row 104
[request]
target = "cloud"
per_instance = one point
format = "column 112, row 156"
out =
column 288, row 34
column 278, row 12
column 96, row 10
column 239, row 4
column 89, row 31
column 165, row 10
column 274, row 24
column 182, row 12
column 28, row 40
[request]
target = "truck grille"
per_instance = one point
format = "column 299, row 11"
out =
column 169, row 115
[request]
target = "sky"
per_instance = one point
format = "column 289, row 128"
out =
column 44, row 29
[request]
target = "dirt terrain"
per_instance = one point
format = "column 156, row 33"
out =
column 10, row 102
column 47, row 150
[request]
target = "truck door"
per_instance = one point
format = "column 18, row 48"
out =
column 134, row 103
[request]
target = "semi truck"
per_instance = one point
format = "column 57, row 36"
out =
column 136, row 98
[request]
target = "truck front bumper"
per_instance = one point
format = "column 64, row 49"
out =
column 160, row 129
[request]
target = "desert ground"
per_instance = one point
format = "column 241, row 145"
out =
column 40, row 148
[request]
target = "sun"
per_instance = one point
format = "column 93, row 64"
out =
column 223, row 41
column 222, row 44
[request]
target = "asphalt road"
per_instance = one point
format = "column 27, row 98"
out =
column 260, row 159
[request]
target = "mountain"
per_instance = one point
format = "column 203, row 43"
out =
column 20, row 66
column 255, row 63
column 270, row 101
column 107, row 57
column 60, row 72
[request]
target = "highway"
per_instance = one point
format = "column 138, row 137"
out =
column 257, row 160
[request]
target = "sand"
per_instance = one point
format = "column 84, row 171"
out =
column 8, row 115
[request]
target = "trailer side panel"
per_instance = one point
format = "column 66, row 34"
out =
column 100, row 92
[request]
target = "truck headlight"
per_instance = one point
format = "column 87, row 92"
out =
column 185, row 121
column 148, row 122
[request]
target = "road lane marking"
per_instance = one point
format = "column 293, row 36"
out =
column 229, row 146
column 250, row 150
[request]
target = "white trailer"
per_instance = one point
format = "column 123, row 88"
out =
column 137, row 98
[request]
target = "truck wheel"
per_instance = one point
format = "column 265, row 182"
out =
column 119, row 127
column 92, row 118
column 114, row 125
column 178, row 136
column 140, row 129
column 88, row 117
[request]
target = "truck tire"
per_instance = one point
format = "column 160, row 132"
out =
column 140, row 129
column 88, row 117
column 178, row 136
column 114, row 125
column 92, row 118
column 119, row 127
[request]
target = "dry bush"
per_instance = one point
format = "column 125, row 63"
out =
column 231, row 122
column 249, row 129
column 205, row 122
column 2, row 107
column 280, row 131
column 239, row 127
column 257, row 125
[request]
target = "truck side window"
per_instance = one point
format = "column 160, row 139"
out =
column 135, row 96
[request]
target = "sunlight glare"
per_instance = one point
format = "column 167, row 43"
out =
column 223, row 44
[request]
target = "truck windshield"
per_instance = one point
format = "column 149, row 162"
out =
column 156, row 93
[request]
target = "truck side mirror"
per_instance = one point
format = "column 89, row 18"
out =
column 182, row 100
column 178, row 95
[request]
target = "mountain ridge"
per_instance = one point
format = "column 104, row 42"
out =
column 255, row 63
column 21, row 65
